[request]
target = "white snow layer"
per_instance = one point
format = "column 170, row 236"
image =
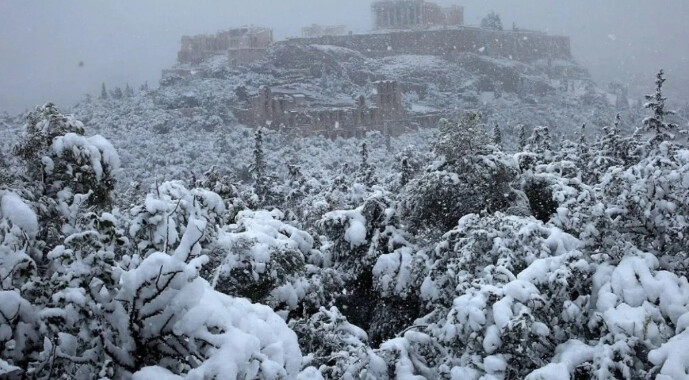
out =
column 97, row 149
column 19, row 213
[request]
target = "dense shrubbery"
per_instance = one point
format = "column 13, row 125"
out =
column 464, row 263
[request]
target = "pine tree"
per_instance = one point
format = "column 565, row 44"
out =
column 258, row 168
column 497, row 136
column 523, row 141
column 406, row 172
column 408, row 163
column 492, row 21
column 366, row 170
column 657, row 123
column 582, row 139
column 128, row 92
column 103, row 92
column 117, row 93
column 463, row 140
column 364, row 155
column 540, row 140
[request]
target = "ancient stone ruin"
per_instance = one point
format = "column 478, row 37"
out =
column 242, row 45
column 316, row 30
column 519, row 45
column 403, row 27
column 294, row 112
column 406, row 14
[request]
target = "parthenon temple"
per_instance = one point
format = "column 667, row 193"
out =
column 396, row 14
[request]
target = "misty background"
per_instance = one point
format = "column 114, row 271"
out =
column 42, row 42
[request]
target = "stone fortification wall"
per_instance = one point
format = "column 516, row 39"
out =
column 519, row 45
column 242, row 43
column 284, row 112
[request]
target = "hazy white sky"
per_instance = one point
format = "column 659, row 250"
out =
column 120, row 41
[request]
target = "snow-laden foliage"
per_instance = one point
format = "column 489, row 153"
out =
column 649, row 201
column 467, row 177
column 436, row 254
column 113, row 296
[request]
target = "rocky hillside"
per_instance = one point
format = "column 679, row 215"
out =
column 187, row 124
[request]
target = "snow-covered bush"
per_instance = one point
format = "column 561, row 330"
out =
column 648, row 202
column 60, row 157
column 338, row 349
column 258, row 256
column 160, row 222
column 448, row 191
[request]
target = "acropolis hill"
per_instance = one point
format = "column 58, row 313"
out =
column 401, row 27
column 283, row 85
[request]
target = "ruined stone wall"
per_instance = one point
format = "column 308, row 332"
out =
column 284, row 113
column 395, row 14
column 242, row 40
column 389, row 100
column 323, row 30
column 519, row 45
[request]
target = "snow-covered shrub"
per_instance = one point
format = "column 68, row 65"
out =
column 258, row 256
column 448, row 191
column 59, row 156
column 85, row 276
column 158, row 312
column 338, row 349
column 358, row 240
column 408, row 163
column 18, row 323
column 18, row 230
column 649, row 201
column 494, row 283
column 178, row 322
column 160, row 222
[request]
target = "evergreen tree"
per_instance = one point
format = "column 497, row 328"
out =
column 406, row 171
column 103, row 92
column 492, row 21
column 497, row 136
column 128, row 91
column 259, row 167
column 540, row 140
column 117, row 93
column 583, row 144
column 462, row 140
column 522, row 137
column 408, row 162
column 242, row 94
column 657, row 122
column 466, row 177
column 366, row 172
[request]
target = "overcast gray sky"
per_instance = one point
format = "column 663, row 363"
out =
column 130, row 41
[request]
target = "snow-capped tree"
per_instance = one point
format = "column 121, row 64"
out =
column 522, row 137
column 496, row 138
column 259, row 167
column 467, row 177
column 648, row 201
column 366, row 172
column 492, row 21
column 59, row 156
column 117, row 93
column 657, row 123
column 461, row 140
column 408, row 162
column 339, row 350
